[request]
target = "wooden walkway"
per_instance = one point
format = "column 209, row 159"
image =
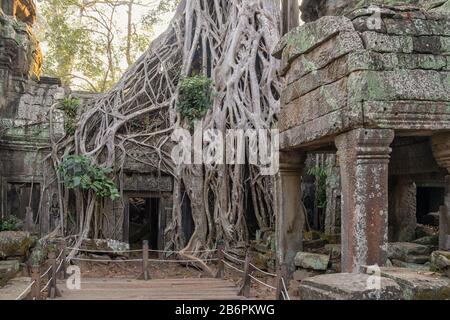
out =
column 158, row 289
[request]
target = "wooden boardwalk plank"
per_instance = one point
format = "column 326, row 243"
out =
column 158, row 289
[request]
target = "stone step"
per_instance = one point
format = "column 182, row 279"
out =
column 348, row 286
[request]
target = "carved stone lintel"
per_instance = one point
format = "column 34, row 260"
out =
column 364, row 159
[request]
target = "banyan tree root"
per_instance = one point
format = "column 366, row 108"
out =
column 230, row 42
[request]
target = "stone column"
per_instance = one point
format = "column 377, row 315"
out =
column 289, row 208
column 364, row 159
column 441, row 151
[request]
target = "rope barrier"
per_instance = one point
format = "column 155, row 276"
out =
column 183, row 261
column 285, row 289
column 233, row 258
column 60, row 254
column 140, row 250
column 59, row 267
column 104, row 260
column 25, row 291
column 140, row 260
column 170, row 251
column 45, row 273
column 105, row 251
column 262, row 271
column 46, row 285
column 261, row 282
column 232, row 267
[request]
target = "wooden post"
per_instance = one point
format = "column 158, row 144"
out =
column 36, row 287
column 281, row 274
column 145, row 260
column 53, row 290
column 220, row 256
column 246, row 280
column 64, row 266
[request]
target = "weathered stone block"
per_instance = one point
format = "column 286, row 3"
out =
column 417, row 27
column 306, row 37
column 324, row 54
column 312, row 261
column 414, row 266
column 15, row 243
column 419, row 286
column 420, row 85
column 405, row 250
column 8, row 269
column 427, row 44
column 428, row 240
column 385, row 43
column 319, row 102
column 335, row 250
column 347, row 286
column 440, row 261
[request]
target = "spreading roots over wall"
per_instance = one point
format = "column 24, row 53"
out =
column 227, row 41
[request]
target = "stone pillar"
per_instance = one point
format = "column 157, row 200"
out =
column 289, row 208
column 364, row 159
column 441, row 151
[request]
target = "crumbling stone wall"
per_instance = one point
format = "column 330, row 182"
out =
column 356, row 82
column 25, row 103
column 312, row 10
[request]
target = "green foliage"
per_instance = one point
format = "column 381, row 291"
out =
column 79, row 172
column 196, row 97
column 321, row 185
column 70, row 107
column 89, row 44
column 10, row 224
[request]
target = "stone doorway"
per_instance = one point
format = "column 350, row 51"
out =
column 143, row 221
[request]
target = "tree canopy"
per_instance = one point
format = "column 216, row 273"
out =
column 90, row 43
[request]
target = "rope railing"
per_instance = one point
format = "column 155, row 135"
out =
column 139, row 250
column 25, row 291
column 229, row 256
column 226, row 258
column 286, row 292
column 34, row 290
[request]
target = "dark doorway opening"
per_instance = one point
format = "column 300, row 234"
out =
column 144, row 221
column 429, row 199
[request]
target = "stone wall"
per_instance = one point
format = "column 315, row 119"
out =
column 26, row 100
column 314, row 9
column 343, row 73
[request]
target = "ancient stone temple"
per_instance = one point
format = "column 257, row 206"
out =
column 30, row 119
column 370, row 84
column 26, row 101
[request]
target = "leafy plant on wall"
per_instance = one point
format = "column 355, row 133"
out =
column 70, row 108
column 79, row 172
column 195, row 98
